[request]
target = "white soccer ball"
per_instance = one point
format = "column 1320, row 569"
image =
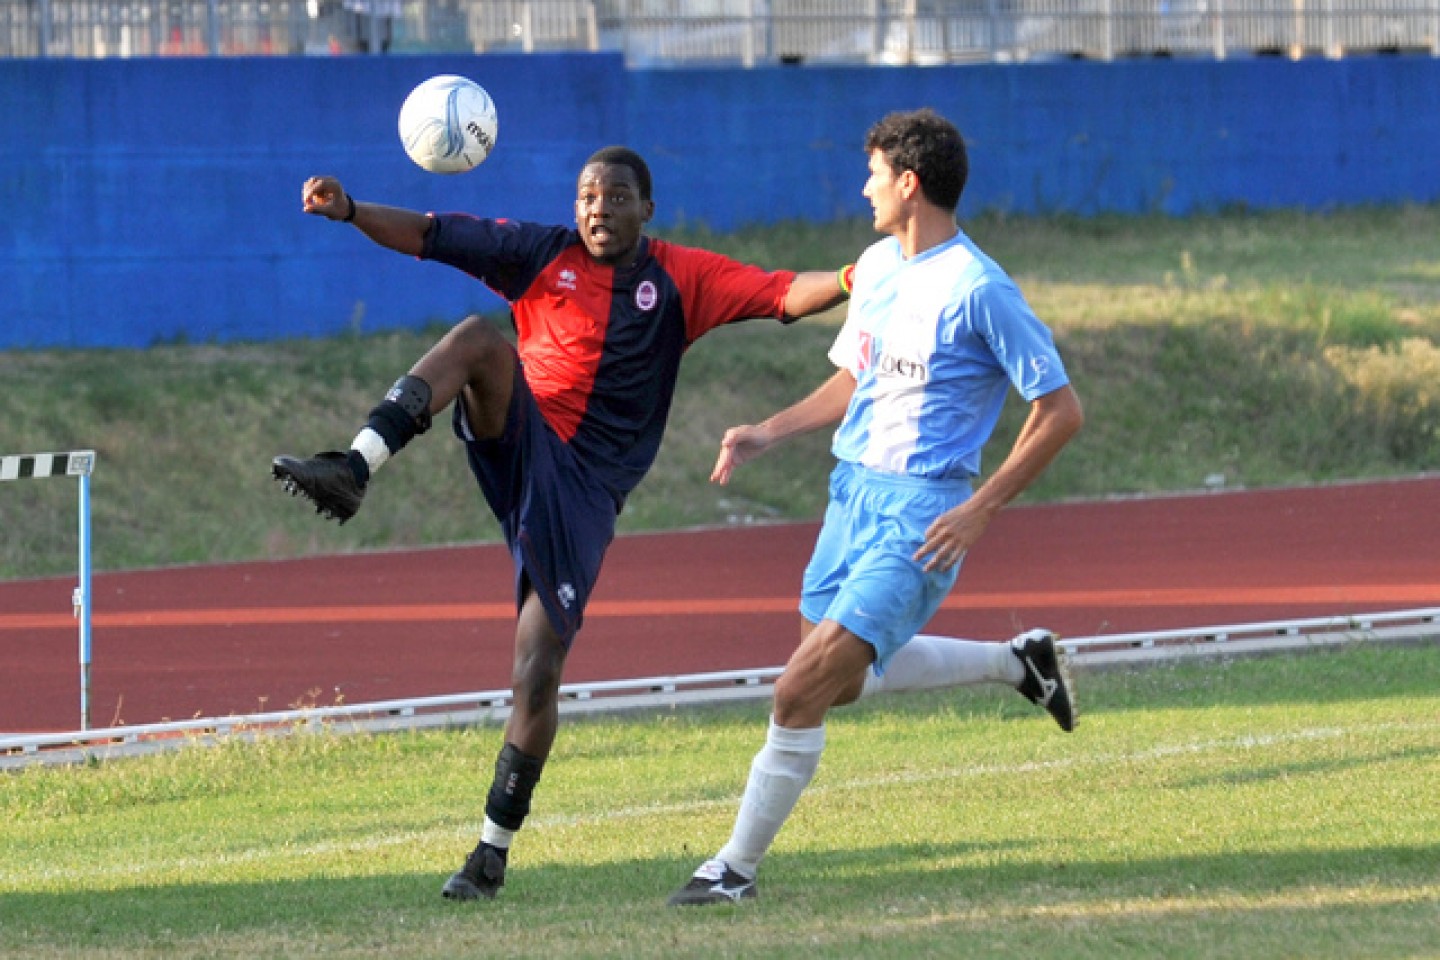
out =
column 448, row 124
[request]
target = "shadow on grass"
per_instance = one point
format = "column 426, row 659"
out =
column 798, row 889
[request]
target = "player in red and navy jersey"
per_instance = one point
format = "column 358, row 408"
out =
column 558, row 428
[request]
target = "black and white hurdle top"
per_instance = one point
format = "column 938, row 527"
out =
column 25, row 466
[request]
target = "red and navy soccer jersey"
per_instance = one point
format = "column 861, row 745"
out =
column 601, row 346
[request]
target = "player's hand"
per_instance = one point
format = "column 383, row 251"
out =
column 325, row 197
column 950, row 537
column 739, row 445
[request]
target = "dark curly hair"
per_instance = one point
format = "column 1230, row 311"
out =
column 625, row 157
column 927, row 144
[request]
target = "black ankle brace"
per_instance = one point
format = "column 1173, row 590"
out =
column 403, row 414
column 412, row 395
column 516, row 775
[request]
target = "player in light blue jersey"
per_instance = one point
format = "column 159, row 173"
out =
column 936, row 336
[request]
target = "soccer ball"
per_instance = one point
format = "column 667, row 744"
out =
column 448, row 124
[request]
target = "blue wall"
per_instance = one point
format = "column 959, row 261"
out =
column 157, row 200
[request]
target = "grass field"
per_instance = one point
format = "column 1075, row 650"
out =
column 1260, row 349
column 1280, row 807
column 1269, row 808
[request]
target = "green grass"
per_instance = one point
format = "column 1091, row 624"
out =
column 1279, row 807
column 1266, row 349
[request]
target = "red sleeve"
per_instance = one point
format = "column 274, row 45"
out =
column 717, row 290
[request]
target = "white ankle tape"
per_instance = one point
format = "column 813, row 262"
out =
column 496, row 835
column 372, row 447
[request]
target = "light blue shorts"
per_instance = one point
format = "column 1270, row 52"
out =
column 862, row 574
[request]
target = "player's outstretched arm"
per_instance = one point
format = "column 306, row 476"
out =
column 815, row 291
column 394, row 227
column 823, row 407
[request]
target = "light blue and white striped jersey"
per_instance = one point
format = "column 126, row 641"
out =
column 934, row 343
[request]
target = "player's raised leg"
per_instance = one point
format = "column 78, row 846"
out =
column 473, row 360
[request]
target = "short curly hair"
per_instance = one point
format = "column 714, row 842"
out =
column 930, row 146
column 625, row 157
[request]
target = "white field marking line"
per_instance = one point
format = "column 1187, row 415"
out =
column 158, row 866
column 437, row 835
column 983, row 770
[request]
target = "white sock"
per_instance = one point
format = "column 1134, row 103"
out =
column 372, row 447
column 496, row 835
column 780, row 772
column 929, row 662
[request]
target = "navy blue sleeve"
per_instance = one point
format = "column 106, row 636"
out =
column 505, row 255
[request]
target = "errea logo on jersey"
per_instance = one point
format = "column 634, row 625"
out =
column 567, row 280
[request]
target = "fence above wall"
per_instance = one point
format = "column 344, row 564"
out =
column 671, row 33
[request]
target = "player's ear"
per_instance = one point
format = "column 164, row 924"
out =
column 649, row 211
column 909, row 184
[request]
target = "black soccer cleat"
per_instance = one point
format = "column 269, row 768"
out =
column 1047, row 677
column 327, row 480
column 714, row 882
column 481, row 878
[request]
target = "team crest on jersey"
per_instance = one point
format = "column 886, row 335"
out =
column 567, row 280
column 867, row 350
column 646, row 295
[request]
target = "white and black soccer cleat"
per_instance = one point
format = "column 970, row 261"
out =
column 714, row 882
column 1047, row 678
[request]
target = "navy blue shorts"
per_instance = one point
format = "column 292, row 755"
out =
column 557, row 519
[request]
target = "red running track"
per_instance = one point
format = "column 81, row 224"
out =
column 241, row 638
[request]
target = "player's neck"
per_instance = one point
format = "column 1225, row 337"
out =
column 927, row 227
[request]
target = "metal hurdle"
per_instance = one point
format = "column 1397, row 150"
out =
column 74, row 463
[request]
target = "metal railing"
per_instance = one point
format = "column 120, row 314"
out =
column 664, row 33
column 1420, row 625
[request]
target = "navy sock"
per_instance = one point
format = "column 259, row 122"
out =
column 358, row 466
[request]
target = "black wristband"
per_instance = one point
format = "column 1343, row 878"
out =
column 350, row 217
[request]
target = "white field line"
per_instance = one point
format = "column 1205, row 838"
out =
column 206, row 865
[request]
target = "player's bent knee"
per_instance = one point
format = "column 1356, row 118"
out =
column 475, row 344
column 801, row 699
column 479, row 334
column 851, row 691
column 828, row 670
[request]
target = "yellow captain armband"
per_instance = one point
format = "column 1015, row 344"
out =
column 845, row 276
